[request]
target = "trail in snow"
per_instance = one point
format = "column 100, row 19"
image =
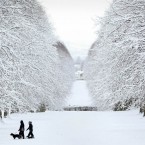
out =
column 79, row 95
column 78, row 128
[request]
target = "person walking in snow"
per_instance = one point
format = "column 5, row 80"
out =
column 30, row 128
column 22, row 129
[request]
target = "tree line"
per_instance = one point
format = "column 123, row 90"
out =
column 35, row 67
column 115, row 67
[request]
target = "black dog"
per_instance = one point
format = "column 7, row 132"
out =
column 16, row 136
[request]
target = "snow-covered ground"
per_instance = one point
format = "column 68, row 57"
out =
column 78, row 128
column 79, row 95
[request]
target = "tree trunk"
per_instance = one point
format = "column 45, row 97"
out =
column 2, row 112
column 144, row 113
column 9, row 112
column 141, row 110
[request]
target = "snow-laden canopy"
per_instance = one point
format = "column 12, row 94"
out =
column 115, row 67
column 30, row 66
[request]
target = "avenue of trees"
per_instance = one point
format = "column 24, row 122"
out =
column 35, row 69
column 115, row 67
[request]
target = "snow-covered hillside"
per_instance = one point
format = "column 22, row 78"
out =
column 77, row 128
column 30, row 64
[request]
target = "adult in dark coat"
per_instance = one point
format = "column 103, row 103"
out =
column 30, row 128
column 22, row 129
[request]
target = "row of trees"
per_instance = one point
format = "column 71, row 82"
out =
column 33, row 70
column 115, row 67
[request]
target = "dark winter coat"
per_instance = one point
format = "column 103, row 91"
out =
column 30, row 128
column 22, row 127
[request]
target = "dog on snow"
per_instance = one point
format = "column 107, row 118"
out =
column 16, row 136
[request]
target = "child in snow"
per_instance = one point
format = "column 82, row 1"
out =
column 30, row 128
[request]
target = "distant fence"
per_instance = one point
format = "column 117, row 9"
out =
column 84, row 108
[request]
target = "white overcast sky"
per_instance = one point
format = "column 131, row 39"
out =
column 73, row 21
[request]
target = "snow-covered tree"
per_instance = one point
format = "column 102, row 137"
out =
column 29, row 63
column 66, row 70
column 116, row 60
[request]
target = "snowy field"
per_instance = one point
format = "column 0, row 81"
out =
column 79, row 94
column 77, row 128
